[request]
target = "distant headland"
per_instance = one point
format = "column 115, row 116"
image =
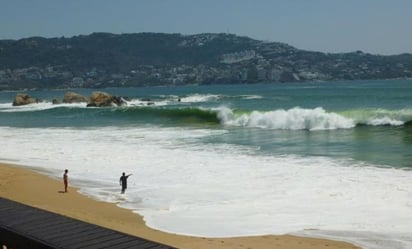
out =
column 148, row 59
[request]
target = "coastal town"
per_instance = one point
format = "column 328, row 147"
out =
column 86, row 62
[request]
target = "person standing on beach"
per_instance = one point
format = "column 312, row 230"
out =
column 66, row 180
column 123, row 182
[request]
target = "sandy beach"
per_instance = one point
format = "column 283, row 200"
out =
column 34, row 189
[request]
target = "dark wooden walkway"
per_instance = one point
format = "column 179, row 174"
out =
column 22, row 227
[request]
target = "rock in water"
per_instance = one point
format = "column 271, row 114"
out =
column 72, row 97
column 24, row 99
column 101, row 99
column 56, row 101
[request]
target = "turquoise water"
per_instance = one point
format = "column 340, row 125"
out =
column 308, row 119
column 327, row 159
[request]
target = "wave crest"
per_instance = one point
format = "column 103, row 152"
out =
column 379, row 117
column 296, row 118
column 293, row 119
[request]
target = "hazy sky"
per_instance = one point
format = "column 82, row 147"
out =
column 373, row 26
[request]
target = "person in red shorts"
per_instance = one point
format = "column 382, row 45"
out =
column 66, row 180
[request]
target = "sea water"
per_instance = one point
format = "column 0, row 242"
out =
column 330, row 159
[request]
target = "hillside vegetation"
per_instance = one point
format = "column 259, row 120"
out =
column 104, row 59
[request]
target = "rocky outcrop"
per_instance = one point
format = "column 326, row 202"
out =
column 72, row 97
column 24, row 99
column 101, row 99
column 56, row 101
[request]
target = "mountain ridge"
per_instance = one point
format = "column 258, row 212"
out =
column 105, row 59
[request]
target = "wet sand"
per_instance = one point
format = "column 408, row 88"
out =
column 29, row 187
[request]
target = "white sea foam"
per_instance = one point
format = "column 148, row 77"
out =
column 250, row 97
column 186, row 187
column 194, row 98
column 37, row 106
column 146, row 102
column 171, row 99
column 379, row 117
column 384, row 121
column 5, row 105
column 292, row 119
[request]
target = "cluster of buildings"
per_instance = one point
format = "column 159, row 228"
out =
column 266, row 62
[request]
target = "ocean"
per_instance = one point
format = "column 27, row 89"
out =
column 320, row 159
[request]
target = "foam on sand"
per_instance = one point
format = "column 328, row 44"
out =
column 179, row 182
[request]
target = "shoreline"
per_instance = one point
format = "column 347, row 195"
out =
column 27, row 186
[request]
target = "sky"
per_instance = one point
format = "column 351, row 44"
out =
column 333, row 26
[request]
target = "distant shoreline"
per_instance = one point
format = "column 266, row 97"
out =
column 150, row 59
column 189, row 85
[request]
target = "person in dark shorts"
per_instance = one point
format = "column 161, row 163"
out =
column 123, row 182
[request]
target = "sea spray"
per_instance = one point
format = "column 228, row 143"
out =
column 379, row 116
column 292, row 119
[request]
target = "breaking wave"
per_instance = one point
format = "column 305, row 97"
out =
column 281, row 119
column 315, row 119
column 292, row 119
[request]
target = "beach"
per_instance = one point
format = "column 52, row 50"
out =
column 227, row 161
column 32, row 188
